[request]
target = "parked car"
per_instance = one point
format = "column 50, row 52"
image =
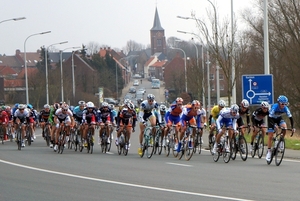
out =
column 150, row 78
column 137, row 76
column 136, row 83
column 139, row 96
column 128, row 96
column 111, row 101
column 132, row 90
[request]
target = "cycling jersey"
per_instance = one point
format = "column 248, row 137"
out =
column 105, row 114
column 44, row 116
column 215, row 112
column 146, row 110
column 227, row 119
column 173, row 114
column 78, row 113
column 127, row 117
column 22, row 116
column 188, row 113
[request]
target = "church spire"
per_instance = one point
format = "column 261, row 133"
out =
column 156, row 23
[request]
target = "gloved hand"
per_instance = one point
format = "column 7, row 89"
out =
column 145, row 123
column 133, row 130
column 294, row 130
column 117, row 129
column 205, row 125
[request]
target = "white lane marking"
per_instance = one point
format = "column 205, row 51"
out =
column 179, row 164
column 123, row 183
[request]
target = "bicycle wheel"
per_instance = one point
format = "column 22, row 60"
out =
column 10, row 133
column 103, row 143
column 279, row 153
column 188, row 151
column 243, row 148
column 167, row 146
column 19, row 139
column 227, row 155
column 200, row 145
column 109, row 144
column 233, row 148
column 161, row 139
column 272, row 152
column 216, row 155
column 150, row 147
column 2, row 134
column 211, row 144
column 47, row 137
column 28, row 136
column 260, row 146
column 196, row 142
column 174, row 148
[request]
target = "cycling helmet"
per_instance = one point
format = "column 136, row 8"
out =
column 264, row 104
column 56, row 106
column 245, row 103
column 104, row 104
column 3, row 107
column 283, row 99
column 222, row 103
column 21, row 107
column 234, row 108
column 150, row 97
column 81, row 103
column 111, row 106
column 29, row 106
column 91, row 104
column 65, row 106
column 7, row 108
column 196, row 103
column 126, row 101
column 162, row 108
column 130, row 105
column 46, row 106
column 179, row 99
column 16, row 105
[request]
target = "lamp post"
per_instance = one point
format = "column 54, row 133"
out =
column 26, row 77
column 185, row 76
column 46, row 66
column 202, row 58
column 208, row 82
column 13, row 19
column 73, row 75
column 61, row 72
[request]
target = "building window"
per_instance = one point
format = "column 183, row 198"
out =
column 159, row 43
column 212, row 87
column 221, row 76
column 211, row 76
column 222, row 86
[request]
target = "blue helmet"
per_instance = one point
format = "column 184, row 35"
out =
column 16, row 105
column 29, row 106
column 283, row 99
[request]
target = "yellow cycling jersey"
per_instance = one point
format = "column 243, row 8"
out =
column 215, row 112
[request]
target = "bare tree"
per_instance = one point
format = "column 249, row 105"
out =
column 133, row 46
column 92, row 48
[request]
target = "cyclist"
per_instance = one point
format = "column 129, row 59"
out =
column 21, row 115
column 44, row 118
column 63, row 115
column 78, row 115
column 227, row 118
column 243, row 110
column 89, row 118
column 147, row 113
column 213, row 117
column 127, row 117
column 4, row 119
column 32, row 118
column 275, row 118
column 173, row 117
column 53, row 109
column 257, row 119
column 105, row 117
column 190, row 113
column 10, row 120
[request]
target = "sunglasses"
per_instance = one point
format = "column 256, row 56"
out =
column 65, row 110
column 150, row 100
column 90, row 108
column 21, row 109
column 283, row 104
column 233, row 113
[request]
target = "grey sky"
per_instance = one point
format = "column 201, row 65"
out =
column 107, row 22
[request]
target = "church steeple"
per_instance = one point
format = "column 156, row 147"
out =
column 157, row 34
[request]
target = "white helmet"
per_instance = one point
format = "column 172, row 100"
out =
column 234, row 108
column 130, row 105
column 47, row 106
column 162, row 108
column 21, row 106
column 65, row 106
column 264, row 104
column 222, row 103
column 90, row 104
column 245, row 103
column 81, row 103
column 150, row 97
column 105, row 104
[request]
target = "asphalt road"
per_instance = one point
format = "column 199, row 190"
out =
column 38, row 173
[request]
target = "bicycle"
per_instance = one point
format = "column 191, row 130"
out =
column 19, row 135
column 158, row 141
column 258, row 145
column 9, row 131
column 2, row 134
column 198, row 141
column 278, row 146
column 170, row 141
column 186, row 144
column 239, row 144
column 61, row 139
column 90, row 140
column 212, row 140
column 47, row 135
column 148, row 147
column 28, row 134
column 74, row 139
column 110, row 138
column 224, row 142
column 123, row 142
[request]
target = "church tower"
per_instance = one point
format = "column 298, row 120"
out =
column 157, row 34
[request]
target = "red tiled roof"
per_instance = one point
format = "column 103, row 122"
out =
column 149, row 61
column 6, row 70
column 30, row 72
column 14, row 83
column 159, row 64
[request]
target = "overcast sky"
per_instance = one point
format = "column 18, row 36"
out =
column 106, row 22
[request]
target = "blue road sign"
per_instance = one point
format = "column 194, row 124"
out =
column 258, row 88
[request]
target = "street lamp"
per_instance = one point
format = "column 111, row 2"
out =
column 208, row 82
column 185, row 77
column 46, row 66
column 14, row 19
column 73, row 74
column 61, row 72
column 26, row 78
column 202, row 58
